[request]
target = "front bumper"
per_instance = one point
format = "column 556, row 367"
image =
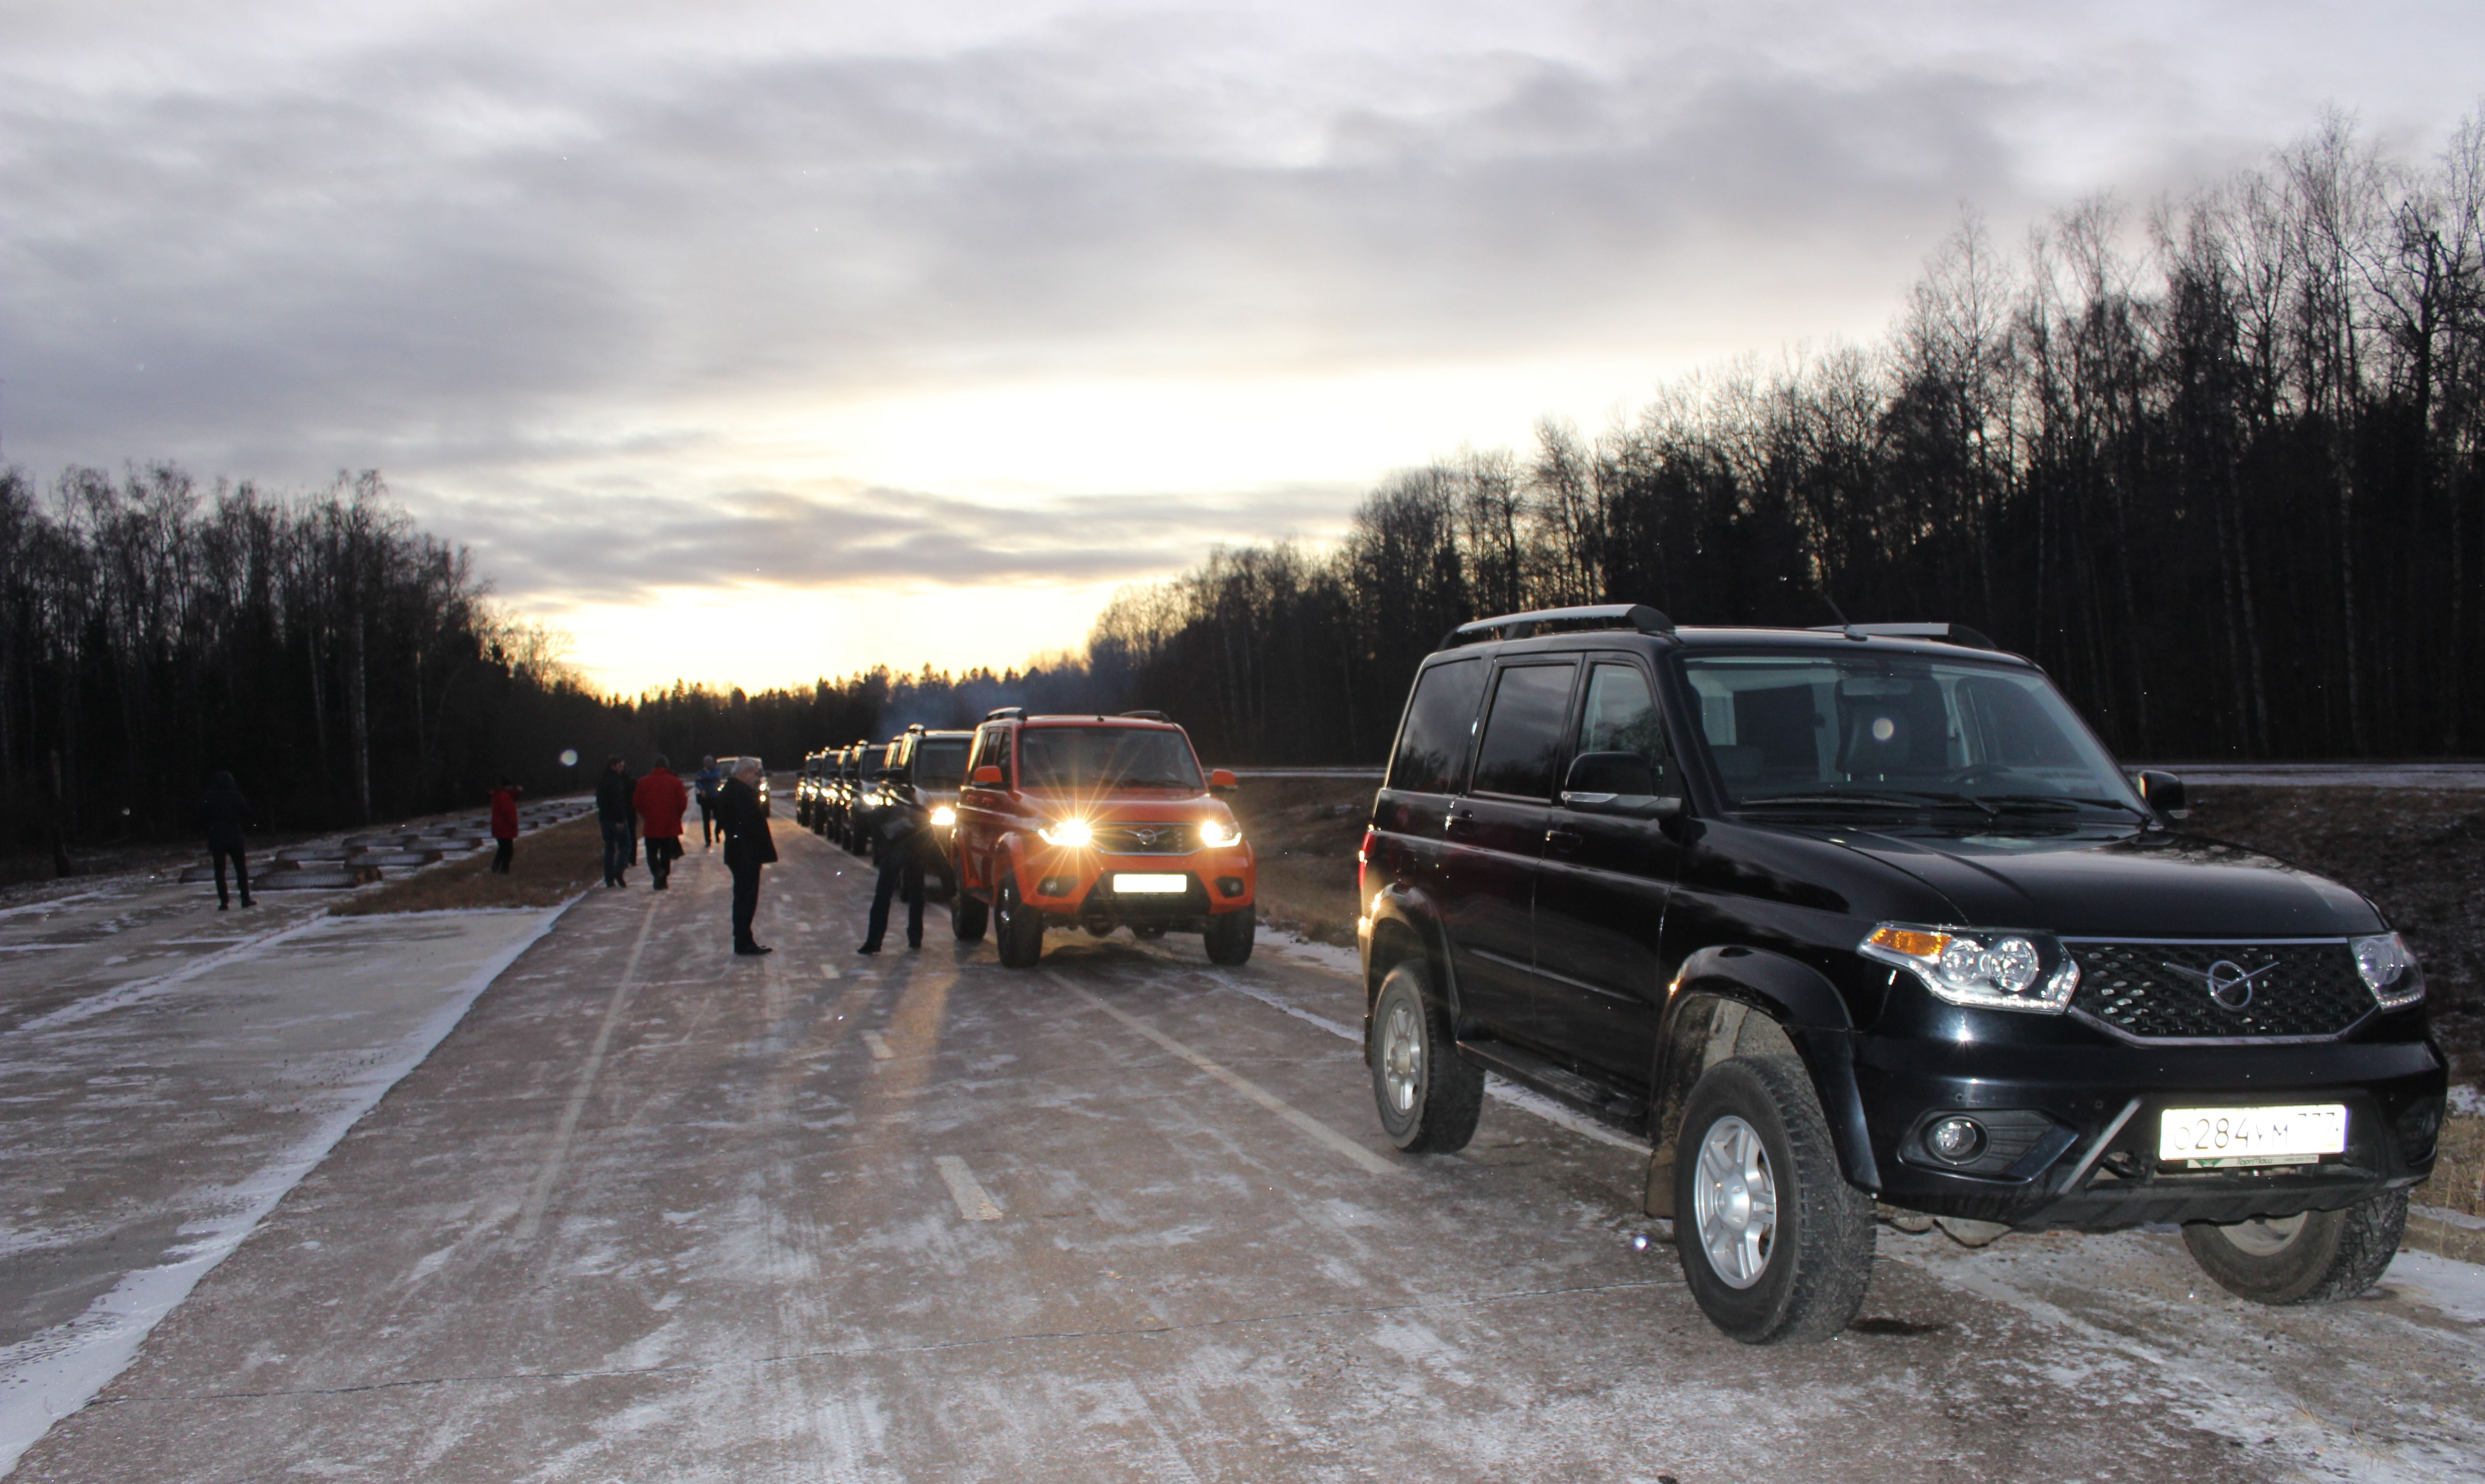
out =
column 1222, row 880
column 2082, row 1126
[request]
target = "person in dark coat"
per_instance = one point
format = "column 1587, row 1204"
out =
column 616, row 811
column 226, row 814
column 748, row 847
column 900, row 831
column 505, row 825
column 705, row 783
column 661, row 800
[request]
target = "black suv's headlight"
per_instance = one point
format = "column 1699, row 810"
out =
column 1986, row 968
column 2388, row 970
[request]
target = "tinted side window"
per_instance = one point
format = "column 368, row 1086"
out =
column 1621, row 717
column 1522, row 737
column 1441, row 722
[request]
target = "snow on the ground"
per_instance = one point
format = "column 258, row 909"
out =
column 327, row 1014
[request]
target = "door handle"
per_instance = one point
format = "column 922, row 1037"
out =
column 1565, row 840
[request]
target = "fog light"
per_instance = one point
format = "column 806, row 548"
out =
column 1955, row 1139
column 1056, row 885
column 1230, row 885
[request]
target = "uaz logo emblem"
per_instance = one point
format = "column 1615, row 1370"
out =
column 2228, row 982
column 1146, row 836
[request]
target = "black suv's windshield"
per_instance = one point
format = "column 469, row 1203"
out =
column 1092, row 758
column 1881, row 731
column 940, row 764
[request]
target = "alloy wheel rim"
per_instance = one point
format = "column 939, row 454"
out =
column 1735, row 1202
column 2265, row 1236
column 1402, row 1058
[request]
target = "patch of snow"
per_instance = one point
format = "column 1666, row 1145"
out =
column 2457, row 1290
column 1327, row 955
column 2466, row 1101
column 48, row 1375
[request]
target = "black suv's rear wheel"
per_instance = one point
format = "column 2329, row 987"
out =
column 966, row 916
column 1229, row 936
column 2316, row 1258
column 1776, row 1245
column 1428, row 1095
column 1017, row 931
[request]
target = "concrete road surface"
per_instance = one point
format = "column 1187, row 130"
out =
column 654, row 1213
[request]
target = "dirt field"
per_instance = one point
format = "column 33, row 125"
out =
column 551, row 866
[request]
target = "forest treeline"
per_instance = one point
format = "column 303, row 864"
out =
column 2215, row 464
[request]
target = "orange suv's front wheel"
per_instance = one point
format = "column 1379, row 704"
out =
column 1229, row 936
column 1018, row 930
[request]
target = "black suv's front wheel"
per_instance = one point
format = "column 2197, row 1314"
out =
column 2315, row 1258
column 1776, row 1245
column 1430, row 1096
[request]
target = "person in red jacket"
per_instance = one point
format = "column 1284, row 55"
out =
column 505, row 824
column 660, row 800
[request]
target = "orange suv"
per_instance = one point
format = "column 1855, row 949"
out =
column 1101, row 823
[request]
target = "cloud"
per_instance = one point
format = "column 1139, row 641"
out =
column 615, row 293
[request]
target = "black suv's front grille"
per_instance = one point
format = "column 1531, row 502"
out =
column 1170, row 838
column 2190, row 991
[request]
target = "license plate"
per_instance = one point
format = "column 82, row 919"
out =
column 1132, row 885
column 2224, row 1138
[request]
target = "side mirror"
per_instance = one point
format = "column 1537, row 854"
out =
column 988, row 776
column 2164, row 792
column 1220, row 781
column 1616, row 783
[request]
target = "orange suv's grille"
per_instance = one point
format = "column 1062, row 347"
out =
column 1171, row 838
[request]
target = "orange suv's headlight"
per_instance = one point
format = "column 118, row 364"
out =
column 1074, row 833
column 1219, row 833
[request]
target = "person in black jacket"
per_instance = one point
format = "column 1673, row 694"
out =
column 226, row 814
column 748, row 847
column 620, row 817
column 900, row 832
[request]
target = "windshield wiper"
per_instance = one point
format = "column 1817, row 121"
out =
column 2058, row 802
column 1886, row 800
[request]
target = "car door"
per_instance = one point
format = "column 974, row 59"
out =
column 1602, row 890
column 1493, row 838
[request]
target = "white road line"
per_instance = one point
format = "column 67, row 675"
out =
column 974, row 1202
column 1319, row 1131
column 531, row 1216
column 878, row 1045
column 828, row 971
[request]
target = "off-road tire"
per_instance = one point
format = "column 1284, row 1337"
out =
column 1016, row 931
column 1819, row 1261
column 1432, row 1105
column 967, row 916
column 2326, row 1257
column 1229, row 936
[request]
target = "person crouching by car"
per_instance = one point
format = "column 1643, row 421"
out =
column 613, row 809
column 505, row 825
column 748, row 847
column 227, row 816
column 661, row 800
column 901, row 830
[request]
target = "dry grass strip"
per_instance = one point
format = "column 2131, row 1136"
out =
column 551, row 866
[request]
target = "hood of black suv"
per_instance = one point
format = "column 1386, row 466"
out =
column 2117, row 884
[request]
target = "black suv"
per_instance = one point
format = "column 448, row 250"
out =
column 1831, row 915
column 935, row 765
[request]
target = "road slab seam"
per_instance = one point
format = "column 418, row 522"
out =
column 539, row 1196
column 1320, row 1132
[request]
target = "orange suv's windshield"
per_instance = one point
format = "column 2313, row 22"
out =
column 1094, row 758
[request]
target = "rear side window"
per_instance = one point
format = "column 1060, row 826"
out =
column 1432, row 756
column 1522, row 736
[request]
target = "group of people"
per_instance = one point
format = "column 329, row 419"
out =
column 648, row 812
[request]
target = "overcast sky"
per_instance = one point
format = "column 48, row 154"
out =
column 755, row 342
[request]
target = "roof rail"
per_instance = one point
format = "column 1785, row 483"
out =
column 1004, row 712
column 1941, row 633
column 1147, row 715
column 1519, row 626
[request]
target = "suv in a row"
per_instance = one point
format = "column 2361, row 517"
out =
column 1101, row 823
column 1869, row 914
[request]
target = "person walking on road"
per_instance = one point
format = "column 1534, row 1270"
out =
column 614, row 811
column 505, row 825
column 900, row 830
column 661, row 800
column 226, row 814
column 705, row 783
column 748, row 847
